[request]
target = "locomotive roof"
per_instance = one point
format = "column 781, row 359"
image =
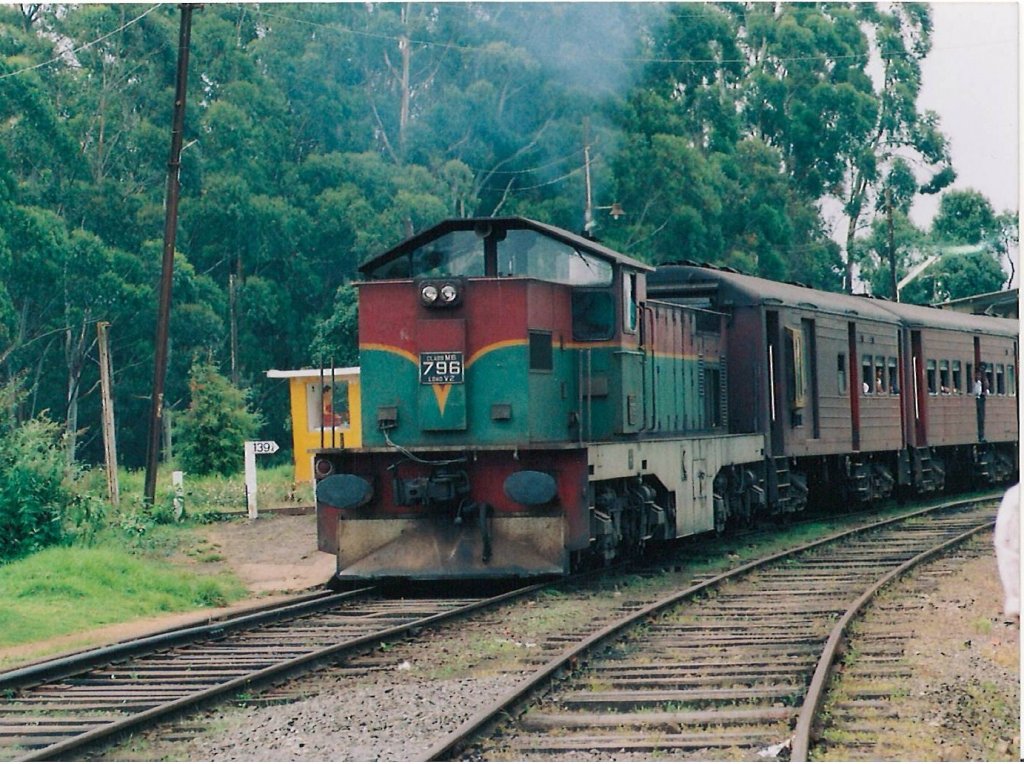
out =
column 726, row 288
column 485, row 225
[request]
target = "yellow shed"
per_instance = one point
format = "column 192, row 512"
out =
column 325, row 412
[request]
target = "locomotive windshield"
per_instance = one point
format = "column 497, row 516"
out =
column 521, row 252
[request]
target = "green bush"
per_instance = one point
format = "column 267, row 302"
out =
column 211, row 435
column 40, row 500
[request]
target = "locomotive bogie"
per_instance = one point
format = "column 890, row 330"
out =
column 683, row 469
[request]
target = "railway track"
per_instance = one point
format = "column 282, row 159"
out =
column 732, row 668
column 51, row 709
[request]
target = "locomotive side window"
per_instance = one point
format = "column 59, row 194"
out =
column 841, row 373
column 541, row 358
column 933, row 388
column 958, row 380
column 593, row 315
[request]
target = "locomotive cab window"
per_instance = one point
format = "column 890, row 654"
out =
column 593, row 315
column 630, row 310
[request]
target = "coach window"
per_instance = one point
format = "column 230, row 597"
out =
column 894, row 377
column 933, row 387
column 958, row 380
column 879, row 382
column 970, row 378
column 629, row 306
column 841, row 373
column 1011, row 380
column 989, row 378
column 944, row 387
column 1000, row 380
column 866, row 377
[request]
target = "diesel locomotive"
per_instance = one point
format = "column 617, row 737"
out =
column 534, row 402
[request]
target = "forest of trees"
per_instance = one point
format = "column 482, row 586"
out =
column 317, row 135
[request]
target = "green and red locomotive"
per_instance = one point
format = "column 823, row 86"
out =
column 530, row 405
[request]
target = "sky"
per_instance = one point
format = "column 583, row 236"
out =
column 971, row 78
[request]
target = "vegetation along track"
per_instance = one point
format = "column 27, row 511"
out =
column 734, row 667
column 52, row 708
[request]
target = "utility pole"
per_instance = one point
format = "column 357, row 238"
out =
column 107, row 404
column 892, row 248
column 167, row 269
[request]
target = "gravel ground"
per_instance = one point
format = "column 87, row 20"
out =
column 395, row 704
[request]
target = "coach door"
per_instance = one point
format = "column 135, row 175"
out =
column 854, row 386
column 918, row 390
column 776, row 383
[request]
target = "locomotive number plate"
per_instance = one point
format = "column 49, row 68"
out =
column 441, row 368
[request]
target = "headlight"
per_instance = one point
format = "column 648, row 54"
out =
column 443, row 293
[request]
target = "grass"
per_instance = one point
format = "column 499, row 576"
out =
column 64, row 590
column 122, row 571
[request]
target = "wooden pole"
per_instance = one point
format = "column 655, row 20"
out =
column 167, row 270
column 107, row 404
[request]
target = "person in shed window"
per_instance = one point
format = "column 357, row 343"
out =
column 979, row 392
column 1007, row 543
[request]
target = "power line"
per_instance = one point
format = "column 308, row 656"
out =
column 87, row 45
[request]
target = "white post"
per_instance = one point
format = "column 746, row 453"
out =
column 250, row 477
column 178, row 482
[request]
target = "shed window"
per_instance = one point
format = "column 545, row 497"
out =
column 1000, row 380
column 958, row 380
column 841, row 374
column 326, row 405
column 866, row 366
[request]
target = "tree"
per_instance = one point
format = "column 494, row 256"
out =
column 965, row 217
column 212, row 433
